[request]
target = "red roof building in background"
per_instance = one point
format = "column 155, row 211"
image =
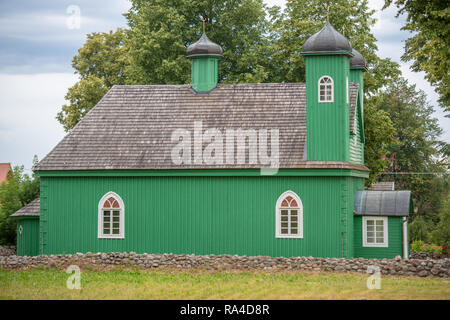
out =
column 4, row 169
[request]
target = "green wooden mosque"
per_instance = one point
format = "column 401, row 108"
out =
column 272, row 169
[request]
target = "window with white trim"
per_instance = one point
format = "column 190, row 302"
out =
column 375, row 232
column 111, row 212
column 326, row 89
column 289, row 216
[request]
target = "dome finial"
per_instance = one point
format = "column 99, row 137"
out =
column 204, row 21
column 327, row 40
column 328, row 13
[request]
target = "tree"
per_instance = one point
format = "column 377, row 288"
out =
column 82, row 97
column 428, row 48
column 441, row 235
column 153, row 49
column 19, row 190
column 418, row 230
column 100, row 63
column 379, row 132
column 161, row 30
column 416, row 155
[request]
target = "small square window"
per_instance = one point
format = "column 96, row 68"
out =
column 375, row 231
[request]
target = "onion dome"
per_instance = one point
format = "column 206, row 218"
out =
column 357, row 61
column 327, row 40
column 204, row 47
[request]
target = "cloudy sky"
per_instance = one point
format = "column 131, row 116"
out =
column 38, row 39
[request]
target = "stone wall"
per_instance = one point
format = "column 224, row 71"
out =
column 427, row 255
column 397, row 266
column 7, row 250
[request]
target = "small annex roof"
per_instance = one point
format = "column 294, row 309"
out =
column 30, row 210
column 383, row 203
column 327, row 40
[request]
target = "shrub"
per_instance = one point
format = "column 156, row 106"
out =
column 441, row 235
column 418, row 229
column 420, row 246
column 417, row 245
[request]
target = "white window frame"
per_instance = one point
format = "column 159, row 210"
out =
column 385, row 243
column 332, row 89
column 121, row 210
column 348, row 90
column 278, row 209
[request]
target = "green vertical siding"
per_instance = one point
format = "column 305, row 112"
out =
column 328, row 125
column 28, row 240
column 200, row 215
column 204, row 73
column 394, row 240
column 43, row 215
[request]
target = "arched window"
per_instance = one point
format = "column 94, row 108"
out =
column 111, row 213
column 289, row 216
column 326, row 89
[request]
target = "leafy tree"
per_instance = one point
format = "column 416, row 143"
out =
column 416, row 158
column 418, row 229
column 161, row 30
column 100, row 63
column 82, row 97
column 153, row 49
column 428, row 48
column 441, row 235
column 19, row 190
column 379, row 131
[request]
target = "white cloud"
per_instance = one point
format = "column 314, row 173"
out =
column 51, row 27
column 28, row 106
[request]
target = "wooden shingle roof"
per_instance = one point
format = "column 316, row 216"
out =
column 30, row 210
column 132, row 125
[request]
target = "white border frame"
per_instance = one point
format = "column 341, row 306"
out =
column 385, row 244
column 332, row 89
column 121, row 234
column 278, row 219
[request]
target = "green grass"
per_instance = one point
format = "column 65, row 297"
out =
column 45, row 283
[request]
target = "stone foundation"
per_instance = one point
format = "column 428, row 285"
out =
column 427, row 255
column 7, row 250
column 397, row 266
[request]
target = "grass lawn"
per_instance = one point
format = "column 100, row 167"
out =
column 45, row 283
